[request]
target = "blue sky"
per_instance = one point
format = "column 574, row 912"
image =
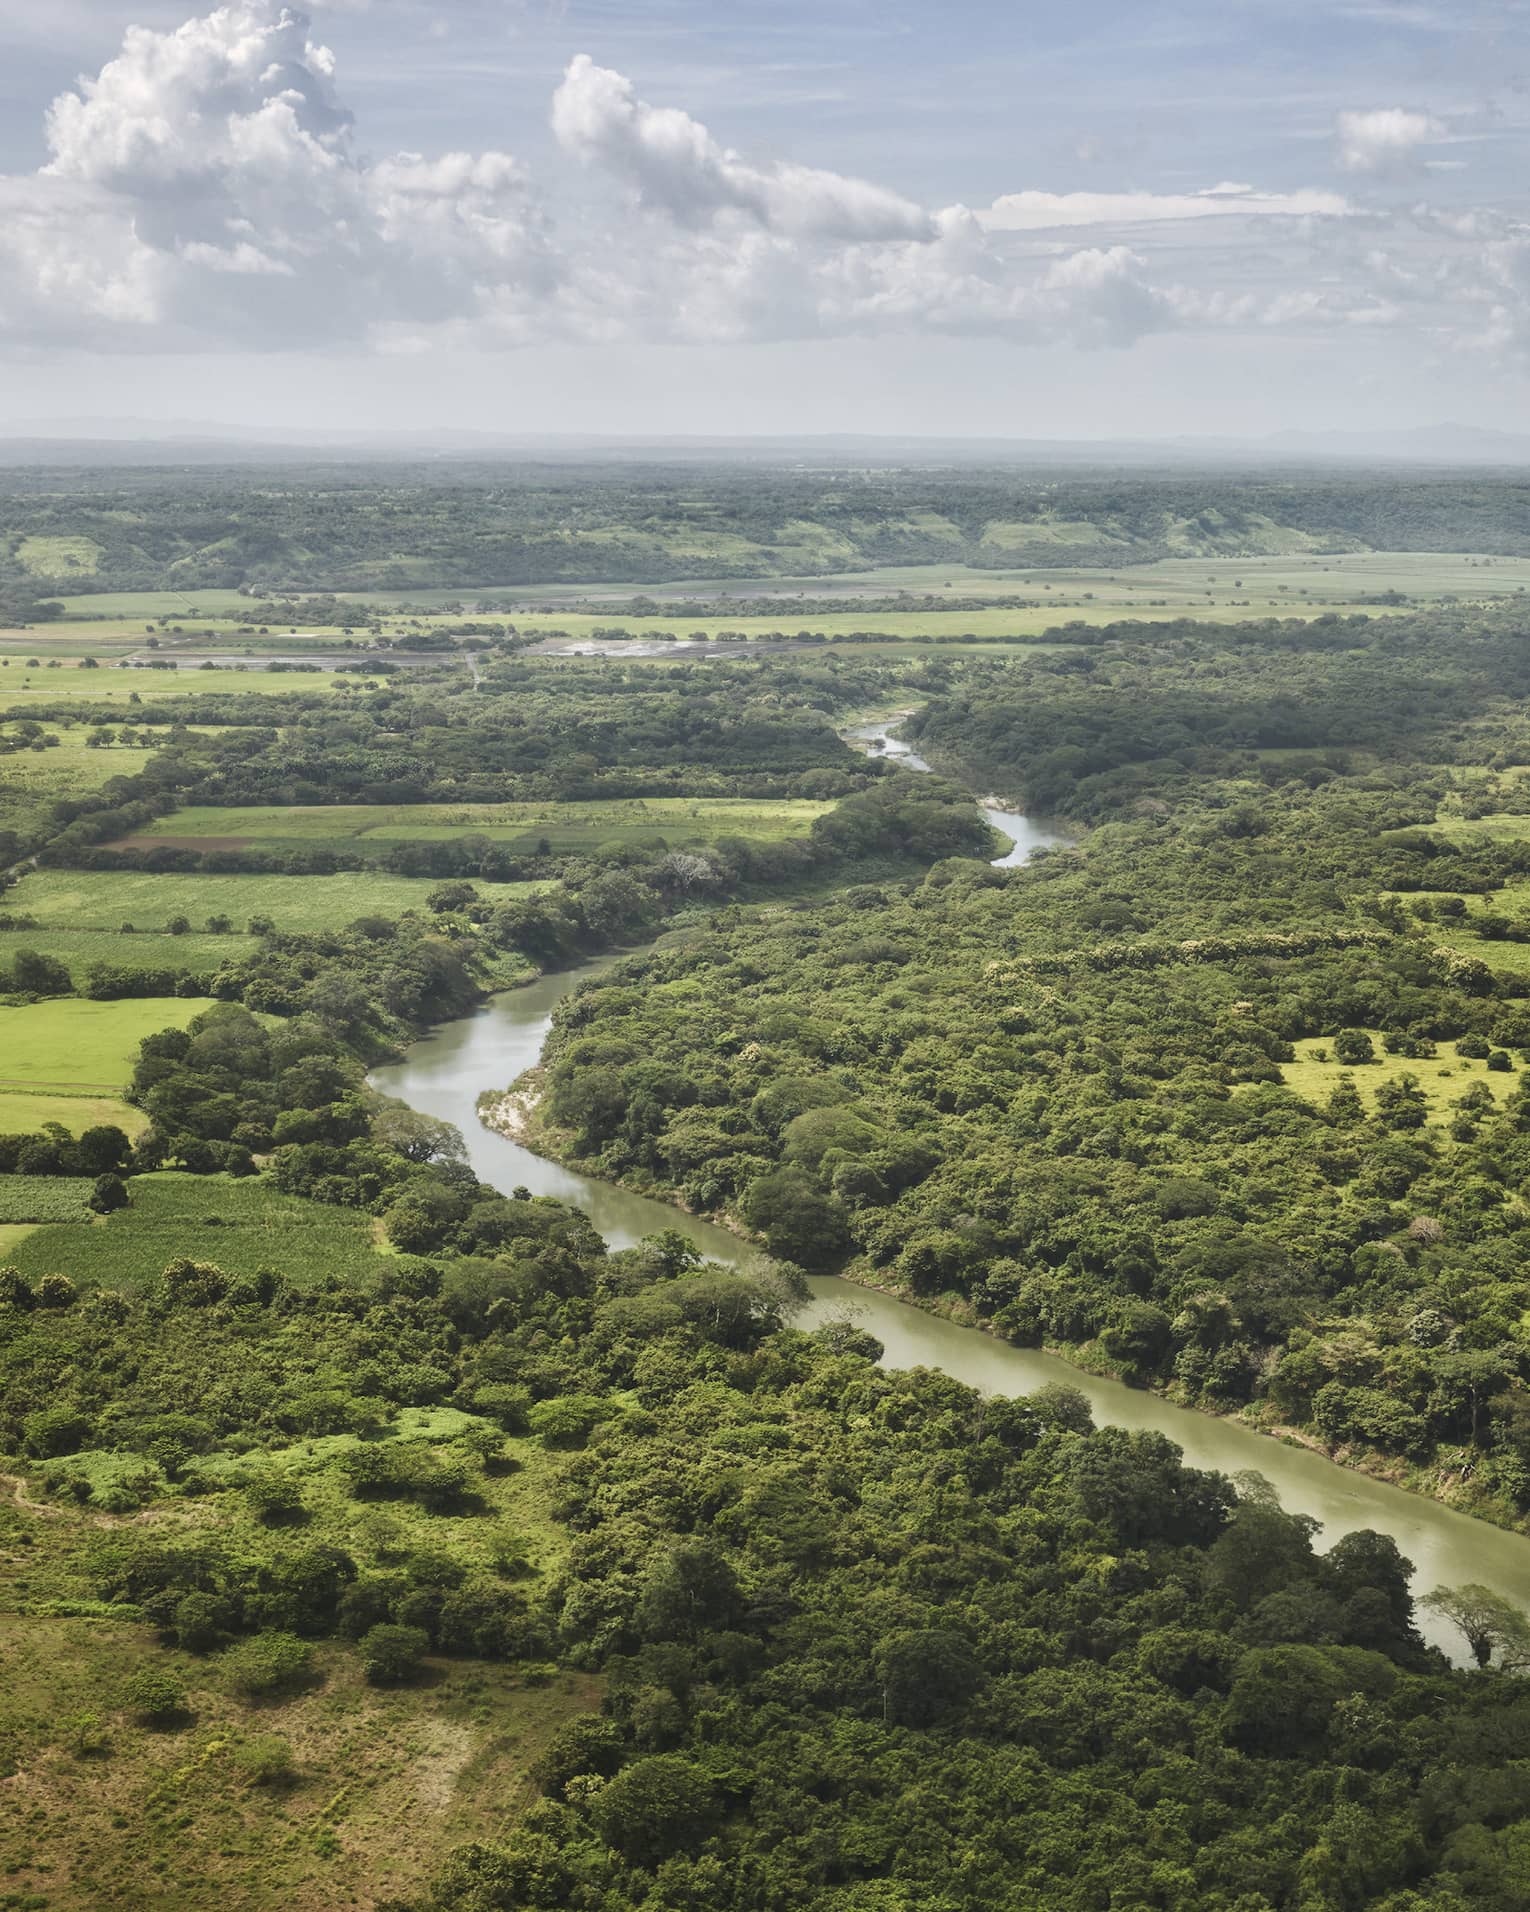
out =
column 1053, row 220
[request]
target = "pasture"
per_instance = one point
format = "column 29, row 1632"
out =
column 24, row 1111
column 23, row 690
column 562, row 827
column 71, row 1047
column 78, row 903
column 1443, row 1078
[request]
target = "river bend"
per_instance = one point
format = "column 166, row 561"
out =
column 443, row 1075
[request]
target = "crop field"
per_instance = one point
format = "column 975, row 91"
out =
column 74, row 1047
column 241, row 1225
column 562, row 826
column 76, row 901
column 77, row 949
column 1298, row 583
column 1444, row 1078
column 45, row 1198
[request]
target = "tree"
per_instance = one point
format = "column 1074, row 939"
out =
column 924, row 1673
column 1353, row 1046
column 417, row 1137
column 267, row 1663
column 654, row 1807
column 392, row 1654
column 1493, row 1628
column 274, row 1499
column 157, row 1697
column 109, row 1194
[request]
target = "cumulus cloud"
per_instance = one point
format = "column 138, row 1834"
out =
column 207, row 189
column 1385, row 140
column 674, row 165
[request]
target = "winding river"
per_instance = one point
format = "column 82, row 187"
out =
column 444, row 1073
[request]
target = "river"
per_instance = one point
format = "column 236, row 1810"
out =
column 444, row 1074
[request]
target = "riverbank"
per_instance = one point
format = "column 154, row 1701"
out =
column 516, row 1113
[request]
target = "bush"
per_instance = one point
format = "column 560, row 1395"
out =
column 268, row 1664
column 391, row 1654
column 52, row 1431
column 274, row 1498
column 110, row 1193
column 267, row 1761
column 157, row 1697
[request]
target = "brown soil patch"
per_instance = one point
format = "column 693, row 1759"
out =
column 180, row 843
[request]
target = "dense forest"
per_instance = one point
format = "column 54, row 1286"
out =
column 1056, row 1094
column 379, row 528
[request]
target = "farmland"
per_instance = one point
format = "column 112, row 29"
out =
column 70, row 905
column 23, row 691
column 1228, row 589
column 88, row 1048
column 196, row 951
column 563, row 827
column 242, row 1225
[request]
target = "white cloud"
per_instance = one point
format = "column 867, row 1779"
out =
column 207, row 190
column 1042, row 211
column 673, row 165
column 1385, row 140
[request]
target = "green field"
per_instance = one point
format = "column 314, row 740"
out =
column 45, row 1198
column 1299, row 583
column 77, row 903
column 77, row 949
column 21, row 690
column 563, row 826
column 241, row 1225
column 1489, row 829
column 23, row 1112
column 1444, row 1078
column 84, row 1048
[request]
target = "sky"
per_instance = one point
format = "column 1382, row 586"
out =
column 1060, row 219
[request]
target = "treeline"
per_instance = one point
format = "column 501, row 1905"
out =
column 297, row 530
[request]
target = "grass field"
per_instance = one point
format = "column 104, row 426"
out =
column 1489, row 829
column 23, row 1112
column 77, row 949
column 1444, row 1078
column 563, row 826
column 33, row 780
column 22, row 690
column 101, row 901
column 241, row 1225
column 82, row 1048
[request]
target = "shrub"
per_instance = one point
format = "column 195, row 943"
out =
column 273, row 1498
column 391, row 1654
column 267, row 1761
column 156, row 1697
column 267, row 1664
